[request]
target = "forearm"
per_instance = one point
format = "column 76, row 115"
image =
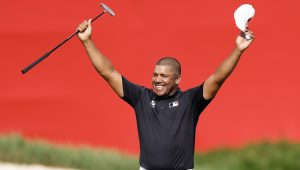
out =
column 226, row 68
column 215, row 81
column 101, row 63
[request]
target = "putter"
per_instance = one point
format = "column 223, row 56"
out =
column 242, row 16
column 26, row 69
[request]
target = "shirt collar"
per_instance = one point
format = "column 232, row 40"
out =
column 169, row 96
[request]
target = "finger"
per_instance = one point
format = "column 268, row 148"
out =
column 247, row 28
column 250, row 33
column 248, row 37
column 89, row 22
column 250, row 40
column 242, row 34
column 84, row 24
column 81, row 28
column 252, row 36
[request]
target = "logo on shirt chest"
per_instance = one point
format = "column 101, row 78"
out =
column 152, row 104
column 173, row 104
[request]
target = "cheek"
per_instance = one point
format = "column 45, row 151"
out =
column 153, row 79
column 168, row 81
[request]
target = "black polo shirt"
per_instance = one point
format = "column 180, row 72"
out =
column 166, row 125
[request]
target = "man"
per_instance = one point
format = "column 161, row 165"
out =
column 166, row 116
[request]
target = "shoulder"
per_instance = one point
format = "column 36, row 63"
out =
column 127, row 84
column 195, row 90
column 196, row 93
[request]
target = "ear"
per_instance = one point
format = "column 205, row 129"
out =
column 177, row 81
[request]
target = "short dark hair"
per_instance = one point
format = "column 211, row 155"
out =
column 170, row 61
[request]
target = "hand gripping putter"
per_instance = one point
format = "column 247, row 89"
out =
column 106, row 9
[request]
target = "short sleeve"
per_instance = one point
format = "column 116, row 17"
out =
column 131, row 92
column 198, row 100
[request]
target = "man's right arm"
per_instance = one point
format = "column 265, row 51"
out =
column 101, row 63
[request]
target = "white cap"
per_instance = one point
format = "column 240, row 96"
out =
column 242, row 15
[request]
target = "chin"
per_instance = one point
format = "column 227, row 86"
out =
column 160, row 93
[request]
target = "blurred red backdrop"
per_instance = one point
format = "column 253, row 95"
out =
column 63, row 99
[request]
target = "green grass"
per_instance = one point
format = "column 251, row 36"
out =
column 14, row 148
column 263, row 156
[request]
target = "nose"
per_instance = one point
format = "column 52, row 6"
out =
column 157, row 79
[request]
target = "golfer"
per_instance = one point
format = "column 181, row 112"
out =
column 166, row 116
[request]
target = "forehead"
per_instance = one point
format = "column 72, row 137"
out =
column 163, row 69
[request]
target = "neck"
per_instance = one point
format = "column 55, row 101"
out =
column 173, row 92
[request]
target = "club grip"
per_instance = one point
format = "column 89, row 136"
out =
column 35, row 63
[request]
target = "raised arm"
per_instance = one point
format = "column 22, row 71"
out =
column 215, row 81
column 101, row 63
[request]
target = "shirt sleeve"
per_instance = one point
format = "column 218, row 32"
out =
column 198, row 100
column 131, row 92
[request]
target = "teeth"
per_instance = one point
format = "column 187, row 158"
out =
column 159, row 87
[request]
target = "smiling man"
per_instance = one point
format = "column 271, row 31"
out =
column 166, row 76
column 166, row 116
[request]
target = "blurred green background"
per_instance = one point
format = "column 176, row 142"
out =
column 14, row 148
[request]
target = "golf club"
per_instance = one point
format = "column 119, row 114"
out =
column 106, row 9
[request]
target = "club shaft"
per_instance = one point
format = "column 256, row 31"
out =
column 26, row 69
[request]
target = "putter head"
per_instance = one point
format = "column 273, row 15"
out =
column 107, row 9
column 243, row 15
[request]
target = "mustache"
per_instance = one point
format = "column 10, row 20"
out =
column 158, row 83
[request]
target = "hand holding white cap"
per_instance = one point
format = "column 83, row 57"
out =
column 242, row 16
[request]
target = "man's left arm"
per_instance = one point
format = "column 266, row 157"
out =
column 215, row 81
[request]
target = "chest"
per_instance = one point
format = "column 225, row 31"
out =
column 166, row 116
column 168, row 110
column 165, row 106
column 165, row 111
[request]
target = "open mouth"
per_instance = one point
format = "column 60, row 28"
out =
column 158, row 86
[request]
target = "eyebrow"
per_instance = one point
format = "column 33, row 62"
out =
column 161, row 74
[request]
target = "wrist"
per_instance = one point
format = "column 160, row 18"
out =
column 238, row 51
column 87, row 41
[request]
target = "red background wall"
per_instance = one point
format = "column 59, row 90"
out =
column 64, row 100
